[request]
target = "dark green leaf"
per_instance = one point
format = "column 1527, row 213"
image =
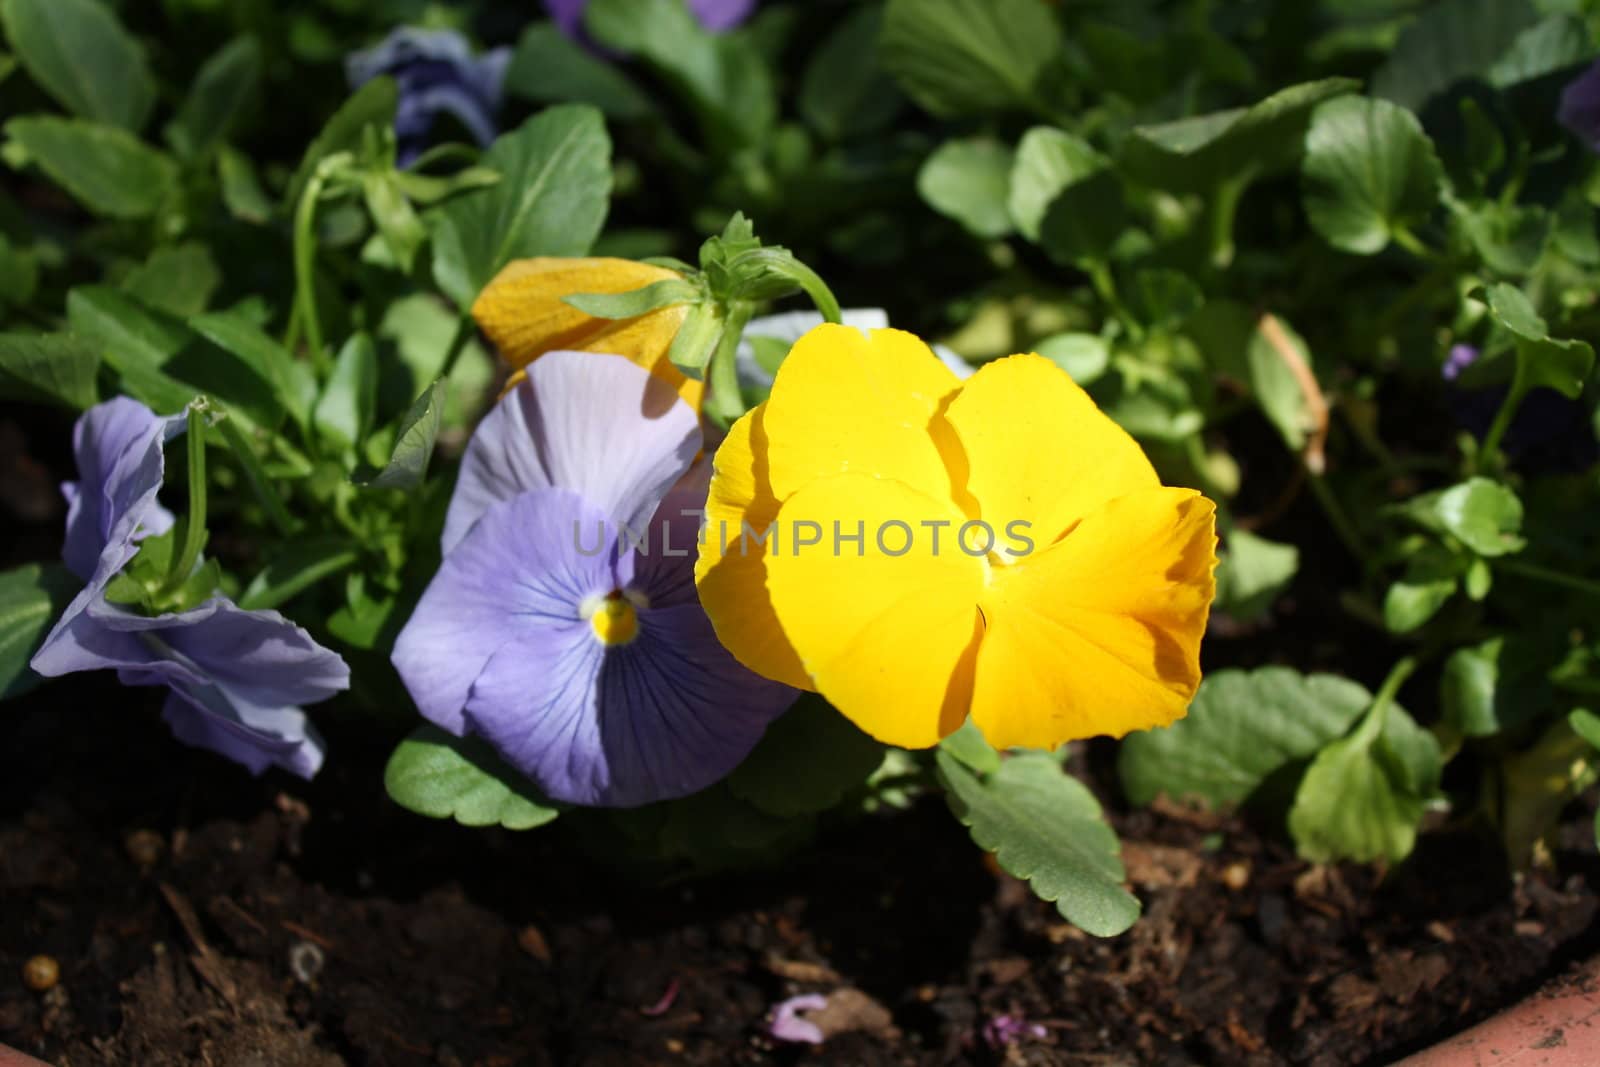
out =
column 344, row 413
column 1481, row 514
column 1451, row 41
column 81, row 55
column 969, row 746
column 292, row 381
column 297, row 566
column 551, row 201
column 550, row 67
column 413, row 448
column 32, row 597
column 808, row 760
column 55, row 368
column 1046, row 828
column 1047, row 161
column 1496, row 686
column 1163, row 299
column 241, row 188
column 1252, row 574
column 435, row 774
column 1241, row 729
column 371, row 105
column 970, row 181
column 846, row 92
column 1550, row 45
column 394, row 216
column 959, row 57
column 105, row 168
column 1085, row 219
column 222, row 89
column 177, row 279
column 1369, row 170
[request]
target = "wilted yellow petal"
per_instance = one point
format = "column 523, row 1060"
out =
column 522, row 312
column 1034, row 448
column 731, row 570
column 887, row 625
column 1100, row 632
column 848, row 401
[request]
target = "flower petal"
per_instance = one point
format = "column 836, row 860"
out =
column 888, row 639
column 663, row 716
column 593, row 424
column 118, row 446
column 789, row 327
column 1100, row 632
column 523, row 569
column 253, row 735
column 1036, row 449
column 522, row 312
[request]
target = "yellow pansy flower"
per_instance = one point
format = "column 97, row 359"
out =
column 917, row 549
column 522, row 312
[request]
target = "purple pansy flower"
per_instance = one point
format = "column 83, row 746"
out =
column 237, row 677
column 563, row 625
column 1579, row 110
column 436, row 73
column 718, row 16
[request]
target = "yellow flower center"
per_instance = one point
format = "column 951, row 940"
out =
column 613, row 618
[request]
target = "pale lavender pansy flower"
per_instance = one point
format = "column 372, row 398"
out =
column 437, row 73
column 1579, row 110
column 789, row 326
column 717, row 16
column 237, row 677
column 563, row 625
column 789, row 1025
column 1003, row 1030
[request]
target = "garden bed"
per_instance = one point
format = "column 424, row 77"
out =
column 179, row 899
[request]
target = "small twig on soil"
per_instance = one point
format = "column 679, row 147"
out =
column 310, row 935
column 204, row 959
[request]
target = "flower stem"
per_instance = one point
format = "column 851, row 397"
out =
column 305, row 253
column 194, row 531
column 1546, row 574
column 458, row 344
column 1503, row 417
column 256, row 475
column 726, row 400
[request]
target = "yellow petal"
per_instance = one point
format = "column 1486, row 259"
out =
column 848, row 401
column 1100, row 632
column 731, row 570
column 887, row 638
column 522, row 312
column 1034, row 448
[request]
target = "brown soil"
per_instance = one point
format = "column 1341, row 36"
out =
column 202, row 917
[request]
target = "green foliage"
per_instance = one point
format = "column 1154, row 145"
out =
column 959, row 57
column 1369, row 171
column 807, row 762
column 55, row 368
column 80, row 54
column 969, row 181
column 443, row 777
column 106, row 169
column 32, row 597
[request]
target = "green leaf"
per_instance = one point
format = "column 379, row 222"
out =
column 1163, row 299
column 1550, row 45
column 1047, row 828
column 222, row 89
column 394, row 216
column 808, row 760
column 241, row 188
column 961, row 57
column 32, row 597
column 969, row 746
column 343, row 415
column 1451, row 41
column 1513, row 310
column 1047, row 161
column 1482, row 514
column 726, row 82
column 19, row 274
column 435, row 774
column 1242, row 728
column 845, row 92
column 1363, row 797
column 1495, row 686
column 177, row 279
column 550, row 67
column 413, row 448
column 1235, row 341
column 1417, row 598
column 1253, row 573
column 1510, row 238
column 551, row 201
column 82, row 56
column 970, row 181
column 653, row 297
column 1084, row 356
column 1085, row 219
column 422, row 328
column 1561, row 365
column 297, row 566
column 108, row 170
column 292, row 380
column 54, row 368
column 371, row 105
column 1586, row 724
column 1196, row 154
column 1369, row 171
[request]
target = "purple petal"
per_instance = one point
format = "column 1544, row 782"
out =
column 435, row 72
column 595, row 424
column 719, row 16
column 520, row 574
column 1460, row 358
column 670, row 538
column 787, row 1025
column 567, row 14
column 118, row 446
column 1579, row 110
column 255, row 736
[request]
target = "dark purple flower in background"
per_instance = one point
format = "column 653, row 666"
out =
column 437, row 73
column 237, row 677
column 718, row 16
column 1548, row 433
column 563, row 626
column 1579, row 110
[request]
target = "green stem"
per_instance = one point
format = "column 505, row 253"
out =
column 1508, row 410
column 1411, row 243
column 1336, row 516
column 1391, row 686
column 1545, row 574
column 1105, row 285
column 458, row 344
column 260, row 484
column 726, row 400
column 273, row 595
column 1224, row 208
column 194, row 533
column 305, row 253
